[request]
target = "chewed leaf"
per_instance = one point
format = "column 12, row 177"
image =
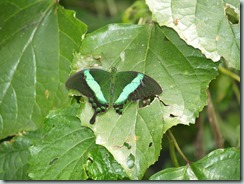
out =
column 67, row 151
column 211, row 26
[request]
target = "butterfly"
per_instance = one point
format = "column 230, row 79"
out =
column 104, row 89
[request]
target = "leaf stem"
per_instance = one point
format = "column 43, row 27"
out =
column 229, row 73
column 172, row 152
column 171, row 136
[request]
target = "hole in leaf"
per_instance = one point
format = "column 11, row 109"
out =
column 76, row 99
column 232, row 16
column 130, row 161
column 127, row 145
column 90, row 159
column 9, row 138
column 52, row 161
column 172, row 115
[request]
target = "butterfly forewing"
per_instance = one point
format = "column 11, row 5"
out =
column 77, row 82
column 103, row 78
column 123, row 80
column 147, row 88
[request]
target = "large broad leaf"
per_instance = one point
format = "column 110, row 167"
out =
column 134, row 138
column 37, row 39
column 211, row 26
column 221, row 164
column 67, row 151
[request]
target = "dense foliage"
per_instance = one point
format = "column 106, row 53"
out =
column 193, row 51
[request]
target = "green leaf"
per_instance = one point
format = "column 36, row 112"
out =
column 182, row 72
column 136, row 11
column 62, row 151
column 37, row 40
column 203, row 25
column 221, row 164
column 14, row 157
column 102, row 166
column 67, row 151
column 134, row 139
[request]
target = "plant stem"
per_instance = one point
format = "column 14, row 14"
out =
column 172, row 152
column 199, row 142
column 112, row 7
column 237, row 92
column 214, row 123
column 229, row 73
column 171, row 136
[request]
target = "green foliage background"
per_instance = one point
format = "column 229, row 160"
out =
column 46, row 135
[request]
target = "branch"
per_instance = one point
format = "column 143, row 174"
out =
column 219, row 142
